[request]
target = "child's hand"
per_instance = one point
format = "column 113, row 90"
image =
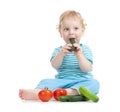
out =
column 66, row 49
column 78, row 49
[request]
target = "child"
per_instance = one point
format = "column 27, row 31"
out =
column 74, row 68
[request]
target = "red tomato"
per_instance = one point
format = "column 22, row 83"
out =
column 59, row 92
column 45, row 95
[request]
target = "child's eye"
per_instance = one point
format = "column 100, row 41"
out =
column 66, row 29
column 76, row 28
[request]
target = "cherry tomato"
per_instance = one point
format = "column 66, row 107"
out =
column 45, row 95
column 59, row 92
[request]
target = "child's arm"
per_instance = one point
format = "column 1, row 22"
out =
column 84, row 64
column 57, row 61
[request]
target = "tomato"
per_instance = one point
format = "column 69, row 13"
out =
column 59, row 92
column 45, row 95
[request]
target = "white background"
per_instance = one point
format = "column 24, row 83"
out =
column 28, row 37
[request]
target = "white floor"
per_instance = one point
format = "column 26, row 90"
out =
column 104, row 105
column 108, row 102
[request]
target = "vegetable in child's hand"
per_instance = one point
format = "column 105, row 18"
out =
column 45, row 95
column 72, row 41
column 88, row 94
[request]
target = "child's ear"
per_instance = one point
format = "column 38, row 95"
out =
column 60, row 33
column 83, row 30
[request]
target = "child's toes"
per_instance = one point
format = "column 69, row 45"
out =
column 20, row 93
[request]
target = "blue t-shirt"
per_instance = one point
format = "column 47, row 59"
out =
column 70, row 68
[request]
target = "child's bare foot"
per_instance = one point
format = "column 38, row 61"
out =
column 29, row 94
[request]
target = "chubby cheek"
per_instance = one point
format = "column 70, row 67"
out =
column 77, row 38
column 66, row 40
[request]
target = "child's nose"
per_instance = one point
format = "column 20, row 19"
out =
column 71, row 31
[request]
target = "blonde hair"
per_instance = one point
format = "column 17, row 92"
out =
column 74, row 15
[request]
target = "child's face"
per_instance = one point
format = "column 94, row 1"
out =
column 71, row 28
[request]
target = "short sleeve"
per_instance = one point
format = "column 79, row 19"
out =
column 56, row 51
column 88, row 53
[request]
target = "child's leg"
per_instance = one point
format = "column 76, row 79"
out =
column 29, row 94
column 32, row 94
column 92, row 85
column 52, row 84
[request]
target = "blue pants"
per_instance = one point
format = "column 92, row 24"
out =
column 52, row 84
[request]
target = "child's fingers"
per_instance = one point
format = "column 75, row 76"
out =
column 67, row 46
column 76, row 45
column 65, row 51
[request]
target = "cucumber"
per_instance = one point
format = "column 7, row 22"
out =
column 72, row 41
column 88, row 94
column 72, row 98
